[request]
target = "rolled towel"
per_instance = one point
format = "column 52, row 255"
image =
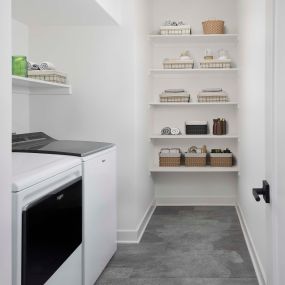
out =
column 47, row 66
column 166, row 131
column 175, row 131
column 33, row 66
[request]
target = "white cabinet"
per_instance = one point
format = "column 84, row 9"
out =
column 99, row 214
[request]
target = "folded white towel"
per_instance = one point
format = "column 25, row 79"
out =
column 47, row 66
column 174, row 151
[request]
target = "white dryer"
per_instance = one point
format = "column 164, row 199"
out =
column 47, row 219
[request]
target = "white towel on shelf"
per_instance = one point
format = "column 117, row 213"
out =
column 47, row 66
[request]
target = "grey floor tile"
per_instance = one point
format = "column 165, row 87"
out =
column 185, row 245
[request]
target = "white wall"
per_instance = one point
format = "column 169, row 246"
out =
column 112, row 7
column 21, row 102
column 252, row 122
column 5, row 144
column 105, row 104
column 144, row 183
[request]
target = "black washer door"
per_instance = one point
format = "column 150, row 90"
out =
column 51, row 231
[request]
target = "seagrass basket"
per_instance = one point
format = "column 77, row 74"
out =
column 195, row 159
column 221, row 159
column 214, row 27
column 169, row 159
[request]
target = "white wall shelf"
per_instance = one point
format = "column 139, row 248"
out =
column 184, row 169
column 193, row 38
column 189, row 137
column 194, row 70
column 22, row 85
column 193, row 104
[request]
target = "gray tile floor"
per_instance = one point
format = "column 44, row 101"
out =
column 185, row 246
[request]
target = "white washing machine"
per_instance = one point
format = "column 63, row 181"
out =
column 47, row 219
column 99, row 184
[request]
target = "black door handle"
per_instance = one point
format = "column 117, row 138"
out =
column 264, row 191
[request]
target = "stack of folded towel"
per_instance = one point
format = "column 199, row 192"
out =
column 175, row 95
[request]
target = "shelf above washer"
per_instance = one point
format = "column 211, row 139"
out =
column 23, row 85
column 184, row 169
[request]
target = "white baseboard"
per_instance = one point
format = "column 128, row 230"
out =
column 134, row 236
column 195, row 201
column 259, row 270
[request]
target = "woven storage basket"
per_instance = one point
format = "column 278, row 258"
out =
column 216, row 63
column 196, row 128
column 205, row 97
column 169, row 159
column 175, row 98
column 221, row 159
column 214, row 27
column 178, row 64
column 175, row 30
column 195, row 159
column 48, row 75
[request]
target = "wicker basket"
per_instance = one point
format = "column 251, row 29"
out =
column 221, row 159
column 196, row 128
column 216, row 63
column 195, row 159
column 214, row 27
column 182, row 97
column 169, row 159
column 48, row 75
column 178, row 64
column 212, row 97
column 175, row 30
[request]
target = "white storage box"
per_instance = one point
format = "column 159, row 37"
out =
column 175, row 30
